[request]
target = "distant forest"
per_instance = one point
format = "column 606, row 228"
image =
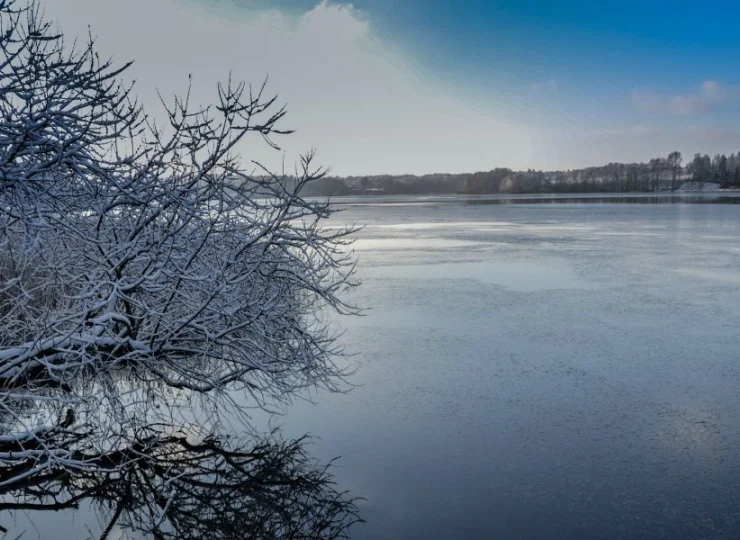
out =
column 659, row 174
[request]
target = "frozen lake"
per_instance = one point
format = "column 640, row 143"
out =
column 535, row 368
column 541, row 368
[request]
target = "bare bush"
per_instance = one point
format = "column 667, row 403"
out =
column 146, row 269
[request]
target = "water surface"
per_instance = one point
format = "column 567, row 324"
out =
column 540, row 367
column 534, row 367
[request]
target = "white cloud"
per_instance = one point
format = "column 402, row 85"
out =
column 362, row 104
column 711, row 94
column 366, row 106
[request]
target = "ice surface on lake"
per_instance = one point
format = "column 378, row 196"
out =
column 531, row 370
column 536, row 371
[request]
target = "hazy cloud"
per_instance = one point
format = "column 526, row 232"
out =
column 632, row 143
column 365, row 106
column 711, row 94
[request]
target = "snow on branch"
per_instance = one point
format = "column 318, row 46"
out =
column 142, row 266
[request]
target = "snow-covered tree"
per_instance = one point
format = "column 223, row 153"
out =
column 152, row 283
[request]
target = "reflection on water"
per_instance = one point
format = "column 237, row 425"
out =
column 521, row 276
column 613, row 199
column 531, row 371
column 171, row 488
column 728, row 197
column 727, row 277
column 535, row 370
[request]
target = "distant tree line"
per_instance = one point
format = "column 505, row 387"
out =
column 659, row 174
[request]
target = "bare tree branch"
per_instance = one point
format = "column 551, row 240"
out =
column 146, row 274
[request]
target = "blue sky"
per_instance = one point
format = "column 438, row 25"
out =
column 590, row 47
column 523, row 84
column 489, row 39
column 577, row 36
